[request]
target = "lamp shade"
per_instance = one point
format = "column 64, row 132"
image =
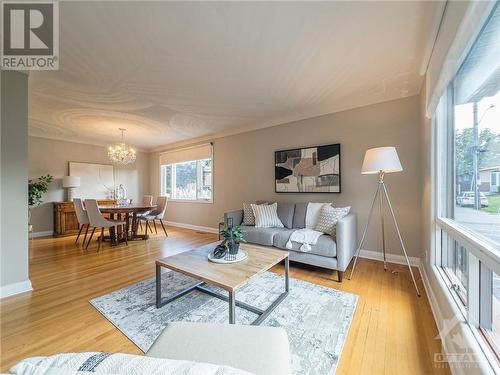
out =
column 71, row 181
column 381, row 159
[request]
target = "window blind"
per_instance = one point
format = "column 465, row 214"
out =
column 191, row 153
column 461, row 23
column 479, row 75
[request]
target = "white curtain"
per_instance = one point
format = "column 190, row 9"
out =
column 460, row 26
column 197, row 152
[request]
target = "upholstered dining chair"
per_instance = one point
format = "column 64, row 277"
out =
column 157, row 214
column 98, row 221
column 147, row 200
column 82, row 217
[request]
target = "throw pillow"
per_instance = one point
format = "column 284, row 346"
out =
column 248, row 216
column 328, row 218
column 312, row 214
column 266, row 216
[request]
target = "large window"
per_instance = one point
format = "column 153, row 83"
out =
column 467, row 123
column 184, row 178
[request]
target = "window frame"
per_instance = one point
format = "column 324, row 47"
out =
column 199, row 175
column 482, row 252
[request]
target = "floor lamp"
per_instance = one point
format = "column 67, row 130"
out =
column 382, row 160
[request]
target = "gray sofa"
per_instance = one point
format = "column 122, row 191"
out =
column 330, row 252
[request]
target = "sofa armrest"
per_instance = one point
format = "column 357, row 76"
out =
column 236, row 215
column 346, row 237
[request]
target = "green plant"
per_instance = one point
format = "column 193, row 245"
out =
column 38, row 187
column 235, row 233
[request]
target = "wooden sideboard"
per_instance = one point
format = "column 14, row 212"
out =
column 65, row 221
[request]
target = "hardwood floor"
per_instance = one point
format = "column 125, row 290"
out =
column 393, row 330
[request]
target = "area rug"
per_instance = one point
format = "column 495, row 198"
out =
column 315, row 317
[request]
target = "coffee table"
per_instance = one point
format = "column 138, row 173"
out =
column 229, row 277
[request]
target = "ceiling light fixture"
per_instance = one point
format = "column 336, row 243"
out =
column 121, row 153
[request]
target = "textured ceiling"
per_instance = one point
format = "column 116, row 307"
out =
column 168, row 72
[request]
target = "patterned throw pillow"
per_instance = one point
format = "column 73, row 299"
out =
column 266, row 216
column 248, row 216
column 328, row 217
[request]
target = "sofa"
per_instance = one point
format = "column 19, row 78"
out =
column 182, row 348
column 334, row 253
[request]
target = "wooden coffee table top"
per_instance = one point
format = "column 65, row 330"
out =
column 230, row 277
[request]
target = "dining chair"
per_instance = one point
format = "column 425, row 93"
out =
column 82, row 217
column 98, row 221
column 147, row 200
column 157, row 214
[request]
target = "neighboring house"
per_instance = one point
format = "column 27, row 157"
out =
column 490, row 179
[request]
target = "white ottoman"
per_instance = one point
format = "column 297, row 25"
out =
column 257, row 349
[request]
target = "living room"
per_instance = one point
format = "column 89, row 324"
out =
column 312, row 183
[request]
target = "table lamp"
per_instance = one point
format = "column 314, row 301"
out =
column 382, row 160
column 70, row 183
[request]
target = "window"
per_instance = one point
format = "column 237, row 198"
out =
column 490, row 308
column 467, row 133
column 495, row 180
column 184, row 178
column 454, row 262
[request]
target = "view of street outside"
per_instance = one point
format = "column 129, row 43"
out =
column 477, row 174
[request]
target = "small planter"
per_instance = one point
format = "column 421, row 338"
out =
column 233, row 247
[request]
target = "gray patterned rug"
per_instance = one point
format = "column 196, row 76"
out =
column 316, row 318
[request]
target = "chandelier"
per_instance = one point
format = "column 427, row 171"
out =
column 121, row 153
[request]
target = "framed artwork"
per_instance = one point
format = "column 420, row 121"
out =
column 97, row 181
column 308, row 170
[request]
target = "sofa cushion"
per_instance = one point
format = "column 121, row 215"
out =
column 328, row 218
column 326, row 245
column 257, row 349
column 299, row 215
column 285, row 213
column 266, row 216
column 312, row 213
column 248, row 216
column 260, row 236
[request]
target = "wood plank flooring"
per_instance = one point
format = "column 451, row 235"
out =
column 393, row 331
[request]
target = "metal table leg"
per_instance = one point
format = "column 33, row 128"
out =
column 158, row 286
column 232, row 307
column 287, row 277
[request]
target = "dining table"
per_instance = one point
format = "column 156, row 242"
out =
column 131, row 213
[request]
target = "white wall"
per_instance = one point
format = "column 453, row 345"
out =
column 14, row 276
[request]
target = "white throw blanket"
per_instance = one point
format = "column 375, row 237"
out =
column 306, row 237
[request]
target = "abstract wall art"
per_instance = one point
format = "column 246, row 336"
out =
column 308, row 170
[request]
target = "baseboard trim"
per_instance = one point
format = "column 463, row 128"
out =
column 192, row 227
column 391, row 258
column 436, row 311
column 16, row 288
column 46, row 233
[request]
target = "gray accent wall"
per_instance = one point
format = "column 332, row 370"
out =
column 14, row 173
column 244, row 168
column 53, row 156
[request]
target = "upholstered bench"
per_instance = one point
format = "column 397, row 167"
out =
column 256, row 349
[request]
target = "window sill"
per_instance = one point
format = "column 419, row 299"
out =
column 191, row 201
column 471, row 336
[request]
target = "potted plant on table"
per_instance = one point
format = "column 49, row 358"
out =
column 233, row 236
